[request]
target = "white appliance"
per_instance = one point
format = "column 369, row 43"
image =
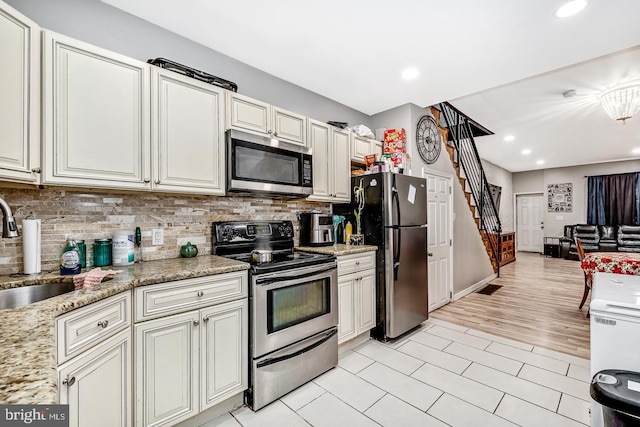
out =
column 615, row 327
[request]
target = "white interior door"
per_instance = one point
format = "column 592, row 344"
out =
column 439, row 217
column 529, row 224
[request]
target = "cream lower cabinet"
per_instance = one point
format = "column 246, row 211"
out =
column 95, row 380
column 187, row 134
column 19, row 97
column 97, row 384
column 188, row 362
column 96, row 109
column 331, row 165
column 356, row 295
column 361, row 147
column 250, row 114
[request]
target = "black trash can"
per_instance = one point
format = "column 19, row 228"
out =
column 619, row 394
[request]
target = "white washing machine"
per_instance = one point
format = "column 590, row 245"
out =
column 615, row 327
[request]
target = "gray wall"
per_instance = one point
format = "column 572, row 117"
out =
column 537, row 182
column 105, row 26
column 503, row 178
column 468, row 249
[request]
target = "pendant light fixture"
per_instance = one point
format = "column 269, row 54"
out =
column 621, row 102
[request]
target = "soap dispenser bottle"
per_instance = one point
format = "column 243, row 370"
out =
column 70, row 258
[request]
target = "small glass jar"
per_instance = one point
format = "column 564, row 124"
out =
column 102, row 252
column 83, row 253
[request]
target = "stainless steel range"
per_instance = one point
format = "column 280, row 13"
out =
column 293, row 301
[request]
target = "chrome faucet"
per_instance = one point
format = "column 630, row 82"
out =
column 9, row 227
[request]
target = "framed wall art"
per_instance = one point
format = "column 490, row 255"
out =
column 560, row 197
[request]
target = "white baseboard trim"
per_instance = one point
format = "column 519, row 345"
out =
column 477, row 286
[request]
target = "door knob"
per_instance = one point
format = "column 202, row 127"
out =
column 430, row 253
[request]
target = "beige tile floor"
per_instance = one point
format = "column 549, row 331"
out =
column 441, row 375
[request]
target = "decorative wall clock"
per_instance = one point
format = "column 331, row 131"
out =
column 428, row 139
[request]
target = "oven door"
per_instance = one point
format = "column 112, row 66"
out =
column 261, row 164
column 289, row 306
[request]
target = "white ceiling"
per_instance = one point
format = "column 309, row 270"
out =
column 353, row 52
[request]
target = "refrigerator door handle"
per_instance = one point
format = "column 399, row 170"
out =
column 396, row 255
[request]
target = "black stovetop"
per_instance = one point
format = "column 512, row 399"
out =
column 236, row 240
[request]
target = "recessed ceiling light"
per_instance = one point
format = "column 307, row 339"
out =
column 526, row 151
column 635, row 151
column 540, row 162
column 410, row 73
column 571, row 8
column 509, row 138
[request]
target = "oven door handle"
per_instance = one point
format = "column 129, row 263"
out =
column 282, row 276
column 274, row 360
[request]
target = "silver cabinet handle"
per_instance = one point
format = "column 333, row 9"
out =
column 36, row 170
column 200, row 293
column 357, row 262
column 275, row 134
column 146, row 180
column 103, row 323
column 157, row 181
column 269, row 131
column 69, row 381
column 205, row 320
column 196, row 322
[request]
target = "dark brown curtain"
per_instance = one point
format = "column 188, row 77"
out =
column 619, row 198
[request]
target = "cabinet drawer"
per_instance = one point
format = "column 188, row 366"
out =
column 182, row 295
column 357, row 262
column 84, row 328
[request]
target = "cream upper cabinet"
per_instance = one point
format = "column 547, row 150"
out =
column 331, row 166
column 19, row 97
column 187, row 134
column 361, row 147
column 96, row 116
column 250, row 114
column 341, row 165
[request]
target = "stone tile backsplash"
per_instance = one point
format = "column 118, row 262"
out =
column 89, row 215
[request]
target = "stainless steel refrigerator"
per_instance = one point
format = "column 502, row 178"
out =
column 394, row 218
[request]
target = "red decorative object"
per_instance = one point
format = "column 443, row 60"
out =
column 611, row 262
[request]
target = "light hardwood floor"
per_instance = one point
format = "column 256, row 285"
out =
column 537, row 304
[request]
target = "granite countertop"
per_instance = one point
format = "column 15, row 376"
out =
column 28, row 365
column 337, row 250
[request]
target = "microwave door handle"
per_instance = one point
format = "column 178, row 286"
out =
column 279, row 359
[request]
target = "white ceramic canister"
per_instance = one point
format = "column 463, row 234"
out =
column 122, row 248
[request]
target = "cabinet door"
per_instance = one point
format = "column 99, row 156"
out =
column 97, row 384
column 346, row 309
column 187, row 134
column 247, row 113
column 360, row 147
column 341, row 166
column 223, row 352
column 167, row 369
column 20, row 97
column 289, row 126
column 366, row 301
column 96, row 111
column 319, row 140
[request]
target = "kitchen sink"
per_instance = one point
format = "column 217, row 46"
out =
column 25, row 295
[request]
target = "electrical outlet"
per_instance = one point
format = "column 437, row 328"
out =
column 157, row 236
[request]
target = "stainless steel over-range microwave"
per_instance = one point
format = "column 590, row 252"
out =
column 267, row 165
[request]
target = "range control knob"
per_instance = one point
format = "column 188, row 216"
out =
column 227, row 233
column 289, row 230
